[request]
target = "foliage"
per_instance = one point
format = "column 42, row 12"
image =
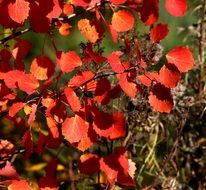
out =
column 79, row 113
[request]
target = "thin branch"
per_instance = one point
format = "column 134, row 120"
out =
column 54, row 20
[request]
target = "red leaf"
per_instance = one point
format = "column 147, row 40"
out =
column 115, row 62
column 68, row 9
column 182, row 58
column 42, row 12
column 176, row 7
column 147, row 78
column 102, row 88
column 122, row 21
column 19, row 184
column 21, row 49
column 118, row 129
column 28, row 83
column 52, row 126
column 88, row 30
column 74, row 128
column 80, row 79
column 169, row 75
column 160, row 98
column 5, row 19
column 116, row 167
column 48, row 183
column 118, row 2
column 149, row 11
column 42, row 67
column 28, row 144
column 9, row 171
column 109, row 126
column 159, row 32
column 96, row 57
column 89, row 164
column 15, row 108
column 72, row 99
column 11, row 78
column 54, row 140
column 112, row 32
column 56, row 10
column 32, row 116
column 87, row 140
column 19, row 10
column 129, row 88
column 68, row 61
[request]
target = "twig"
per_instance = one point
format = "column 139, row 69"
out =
column 19, row 33
column 202, row 45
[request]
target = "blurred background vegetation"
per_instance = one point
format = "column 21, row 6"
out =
column 169, row 149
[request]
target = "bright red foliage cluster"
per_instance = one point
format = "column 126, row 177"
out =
column 90, row 89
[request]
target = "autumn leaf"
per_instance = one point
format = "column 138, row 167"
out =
column 169, row 75
column 128, row 87
column 68, row 61
column 19, row 184
column 149, row 11
column 72, row 99
column 89, row 164
column 15, row 108
column 42, row 67
column 182, row 58
column 116, row 168
column 122, row 21
column 118, row 2
column 74, row 128
column 148, row 77
column 19, row 10
column 64, row 29
column 9, row 171
column 159, row 32
column 28, row 83
column 176, row 7
column 115, row 62
column 88, row 30
column 160, row 98
column 80, row 79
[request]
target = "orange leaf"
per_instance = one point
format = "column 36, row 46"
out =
column 64, row 29
column 115, row 61
column 28, row 83
column 147, row 78
column 116, row 167
column 15, row 108
column 122, row 21
column 129, row 88
column 74, row 128
column 160, row 98
column 32, row 116
column 68, row 9
column 176, row 7
column 182, row 58
column 88, row 30
column 19, row 184
column 72, row 99
column 42, row 67
column 80, row 78
column 19, row 10
column 68, row 61
column 169, row 75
